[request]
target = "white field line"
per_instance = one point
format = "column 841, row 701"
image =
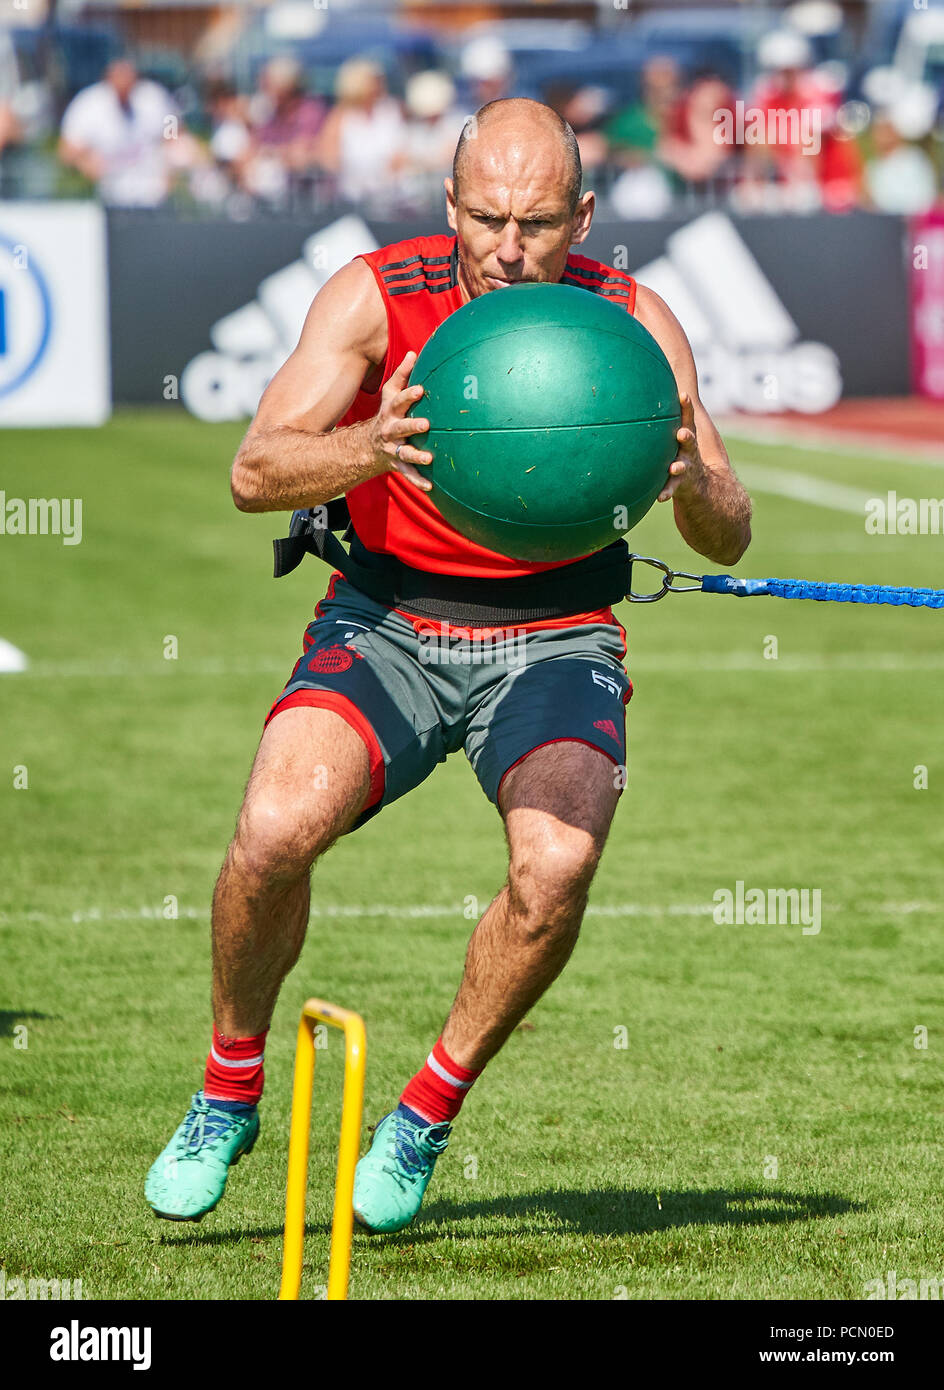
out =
column 802, row 487
column 123, row 668
column 339, row 910
column 657, row 663
column 432, row 910
column 877, row 447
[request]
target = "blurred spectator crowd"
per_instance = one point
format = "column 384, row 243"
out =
column 276, row 147
column 793, row 139
column 788, row 144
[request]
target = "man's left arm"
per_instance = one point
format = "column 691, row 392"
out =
column 712, row 509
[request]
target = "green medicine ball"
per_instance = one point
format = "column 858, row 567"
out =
column 552, row 415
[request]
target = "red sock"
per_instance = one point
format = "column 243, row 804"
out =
column 439, row 1088
column 234, row 1068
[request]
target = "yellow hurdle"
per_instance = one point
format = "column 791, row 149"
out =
column 316, row 1011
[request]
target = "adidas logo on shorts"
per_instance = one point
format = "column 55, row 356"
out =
column 606, row 726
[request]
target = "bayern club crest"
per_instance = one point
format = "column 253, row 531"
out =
column 333, row 660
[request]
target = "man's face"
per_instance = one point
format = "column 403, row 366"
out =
column 123, row 77
column 661, row 83
column 512, row 214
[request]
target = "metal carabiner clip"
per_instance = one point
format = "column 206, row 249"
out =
column 695, row 588
column 656, row 564
column 669, row 577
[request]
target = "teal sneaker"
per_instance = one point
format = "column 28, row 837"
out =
column 393, row 1175
column 189, row 1177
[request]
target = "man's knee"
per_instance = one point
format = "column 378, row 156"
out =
column 274, row 844
column 557, row 808
column 549, row 879
column 308, row 786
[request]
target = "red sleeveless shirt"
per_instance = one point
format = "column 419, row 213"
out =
column 419, row 283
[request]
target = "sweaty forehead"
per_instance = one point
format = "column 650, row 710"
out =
column 513, row 170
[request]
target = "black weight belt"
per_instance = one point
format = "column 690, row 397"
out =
column 594, row 582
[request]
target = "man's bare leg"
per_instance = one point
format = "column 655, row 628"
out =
column 557, row 806
column 308, row 784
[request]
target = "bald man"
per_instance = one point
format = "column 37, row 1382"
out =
column 366, row 714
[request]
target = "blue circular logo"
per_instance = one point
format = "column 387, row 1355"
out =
column 25, row 315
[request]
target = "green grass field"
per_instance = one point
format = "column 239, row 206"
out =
column 768, row 1131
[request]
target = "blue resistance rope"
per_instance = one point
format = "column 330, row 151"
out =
column 818, row 590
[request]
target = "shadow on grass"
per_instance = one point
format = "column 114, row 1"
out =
column 10, row 1018
column 608, row 1211
column 617, row 1211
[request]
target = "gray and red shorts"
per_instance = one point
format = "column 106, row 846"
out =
column 416, row 690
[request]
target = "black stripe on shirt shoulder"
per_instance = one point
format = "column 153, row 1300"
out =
column 432, row 268
column 398, row 265
column 598, row 277
column 606, row 291
column 422, row 286
column 415, row 260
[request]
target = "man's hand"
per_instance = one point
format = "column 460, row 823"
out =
column 294, row 454
column 90, row 164
column 392, row 426
column 688, row 467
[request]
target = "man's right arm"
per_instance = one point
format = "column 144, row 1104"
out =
column 88, row 161
column 292, row 456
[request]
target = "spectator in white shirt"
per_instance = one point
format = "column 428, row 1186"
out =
column 363, row 135
column 434, row 124
column 125, row 135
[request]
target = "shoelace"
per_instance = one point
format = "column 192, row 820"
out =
column 404, row 1151
column 205, row 1127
